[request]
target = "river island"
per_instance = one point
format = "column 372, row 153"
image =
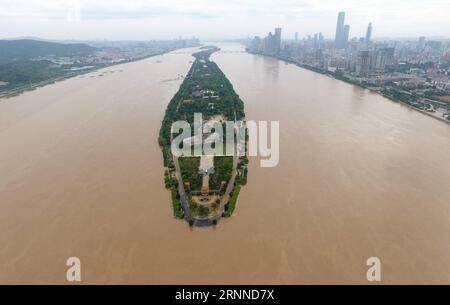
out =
column 204, row 187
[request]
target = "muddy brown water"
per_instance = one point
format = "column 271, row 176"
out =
column 359, row 176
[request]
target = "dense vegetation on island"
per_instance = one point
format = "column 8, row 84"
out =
column 205, row 90
column 203, row 74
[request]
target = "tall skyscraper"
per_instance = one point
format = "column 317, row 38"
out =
column 296, row 36
column 340, row 30
column 369, row 33
column 277, row 40
column 346, row 35
column 270, row 48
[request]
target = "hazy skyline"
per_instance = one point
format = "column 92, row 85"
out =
column 144, row 20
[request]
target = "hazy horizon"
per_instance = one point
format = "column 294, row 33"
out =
column 147, row 20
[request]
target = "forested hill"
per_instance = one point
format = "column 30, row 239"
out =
column 25, row 49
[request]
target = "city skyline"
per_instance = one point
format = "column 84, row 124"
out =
column 144, row 20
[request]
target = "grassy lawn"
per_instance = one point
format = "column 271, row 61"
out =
column 190, row 172
column 223, row 169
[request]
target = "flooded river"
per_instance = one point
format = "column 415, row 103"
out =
column 81, row 174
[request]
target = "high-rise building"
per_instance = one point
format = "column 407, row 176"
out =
column 369, row 33
column 277, row 40
column 379, row 60
column 346, row 36
column 421, row 44
column 270, row 47
column 390, row 52
column 256, row 44
column 272, row 43
column 340, row 30
column 363, row 66
column 296, row 36
column 321, row 40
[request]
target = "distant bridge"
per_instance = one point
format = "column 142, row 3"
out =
column 223, row 52
column 230, row 52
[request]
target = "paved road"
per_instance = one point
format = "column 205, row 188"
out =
column 226, row 196
column 203, row 221
column 183, row 197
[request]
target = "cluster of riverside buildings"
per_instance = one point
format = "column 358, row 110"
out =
column 414, row 63
column 111, row 52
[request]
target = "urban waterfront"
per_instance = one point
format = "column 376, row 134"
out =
column 412, row 71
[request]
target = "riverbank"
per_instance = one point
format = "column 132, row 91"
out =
column 82, row 176
column 22, row 89
column 338, row 77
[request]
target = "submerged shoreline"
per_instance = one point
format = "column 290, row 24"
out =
column 31, row 87
column 312, row 69
column 82, row 175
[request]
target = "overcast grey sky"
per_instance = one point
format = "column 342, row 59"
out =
column 218, row 19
